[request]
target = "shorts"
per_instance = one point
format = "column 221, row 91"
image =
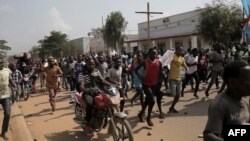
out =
column 175, row 87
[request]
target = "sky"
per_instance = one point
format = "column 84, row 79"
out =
column 24, row 22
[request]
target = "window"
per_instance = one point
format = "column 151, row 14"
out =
column 161, row 47
column 145, row 47
column 189, row 44
column 199, row 43
column 178, row 44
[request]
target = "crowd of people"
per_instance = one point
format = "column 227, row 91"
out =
column 145, row 73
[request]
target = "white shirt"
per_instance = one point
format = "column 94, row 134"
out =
column 5, row 75
column 72, row 65
column 160, row 57
column 115, row 75
column 190, row 60
column 186, row 56
column 182, row 72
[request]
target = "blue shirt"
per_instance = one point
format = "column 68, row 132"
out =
column 79, row 68
column 137, row 81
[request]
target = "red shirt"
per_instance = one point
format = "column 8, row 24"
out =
column 202, row 64
column 151, row 72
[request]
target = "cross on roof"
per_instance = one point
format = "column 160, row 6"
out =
column 148, row 12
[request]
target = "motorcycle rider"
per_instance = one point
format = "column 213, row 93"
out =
column 92, row 78
column 24, row 66
column 115, row 76
column 23, row 63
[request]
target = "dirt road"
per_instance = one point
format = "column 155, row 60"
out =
column 59, row 126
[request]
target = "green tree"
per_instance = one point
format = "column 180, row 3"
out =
column 220, row 22
column 3, row 49
column 115, row 25
column 56, row 45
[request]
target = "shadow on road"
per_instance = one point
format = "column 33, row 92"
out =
column 38, row 94
column 76, row 136
column 142, row 128
column 197, row 108
column 70, row 113
column 48, row 112
column 41, row 113
column 58, row 99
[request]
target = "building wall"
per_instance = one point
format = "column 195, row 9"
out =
column 80, row 45
column 172, row 31
column 77, row 44
column 86, row 44
column 180, row 24
column 98, row 44
column 130, row 47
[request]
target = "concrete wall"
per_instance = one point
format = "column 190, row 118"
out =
column 97, row 44
column 81, row 45
column 172, row 31
column 130, row 47
column 180, row 24
column 86, row 44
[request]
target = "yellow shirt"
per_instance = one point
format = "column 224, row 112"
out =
column 175, row 67
column 51, row 79
column 4, row 83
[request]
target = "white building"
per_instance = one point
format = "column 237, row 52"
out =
column 133, row 45
column 170, row 32
column 97, row 43
column 80, row 45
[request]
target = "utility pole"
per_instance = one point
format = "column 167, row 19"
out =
column 68, row 44
column 104, row 42
column 148, row 14
column 243, row 24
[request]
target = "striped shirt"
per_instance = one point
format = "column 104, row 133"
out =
column 16, row 76
column 88, row 78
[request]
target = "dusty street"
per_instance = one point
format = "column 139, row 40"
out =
column 59, row 126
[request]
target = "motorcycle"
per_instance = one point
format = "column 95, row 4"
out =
column 26, row 85
column 105, row 112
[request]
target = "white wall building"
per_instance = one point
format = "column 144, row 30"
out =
column 132, row 46
column 81, row 45
column 97, row 43
column 171, row 31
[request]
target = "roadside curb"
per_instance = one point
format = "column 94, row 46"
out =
column 19, row 126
